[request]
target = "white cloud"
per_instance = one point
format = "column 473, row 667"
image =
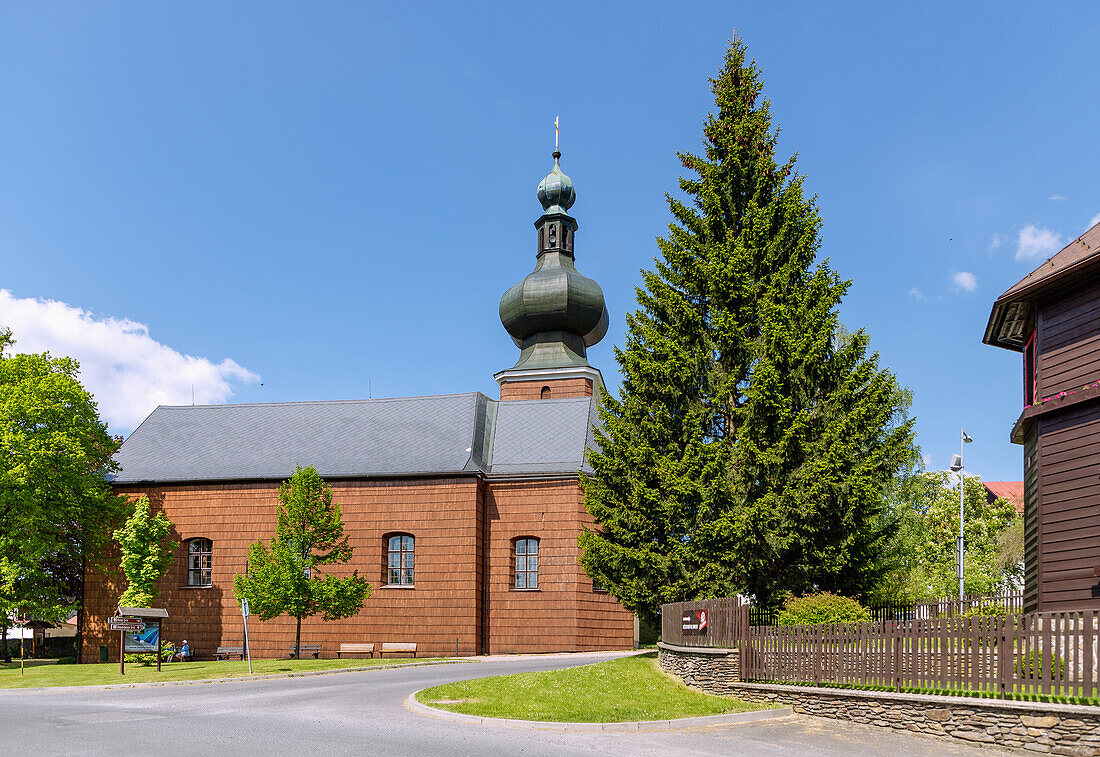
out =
column 999, row 240
column 127, row 371
column 1095, row 220
column 1057, row 198
column 919, row 295
column 964, row 280
column 1037, row 242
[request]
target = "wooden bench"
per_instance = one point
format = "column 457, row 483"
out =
column 367, row 649
column 397, row 646
column 313, row 649
column 224, row 653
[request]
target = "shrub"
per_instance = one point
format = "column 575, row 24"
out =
column 822, row 608
column 1036, row 663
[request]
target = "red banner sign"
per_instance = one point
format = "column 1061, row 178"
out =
column 695, row 623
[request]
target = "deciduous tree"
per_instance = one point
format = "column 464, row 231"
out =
column 923, row 564
column 283, row 576
column 146, row 554
column 57, row 509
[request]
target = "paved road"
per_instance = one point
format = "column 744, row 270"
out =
column 364, row 713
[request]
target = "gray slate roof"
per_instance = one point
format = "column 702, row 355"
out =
column 409, row 436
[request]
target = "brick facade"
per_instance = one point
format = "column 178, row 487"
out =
column 452, row 605
column 561, row 388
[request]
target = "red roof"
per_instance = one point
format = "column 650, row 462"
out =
column 1013, row 491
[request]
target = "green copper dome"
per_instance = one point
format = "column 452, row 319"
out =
column 556, row 191
column 555, row 313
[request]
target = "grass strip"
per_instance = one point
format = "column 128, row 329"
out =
column 616, row 691
column 41, row 673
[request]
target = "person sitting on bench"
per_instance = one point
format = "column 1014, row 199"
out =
column 184, row 652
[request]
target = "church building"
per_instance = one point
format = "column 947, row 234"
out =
column 462, row 510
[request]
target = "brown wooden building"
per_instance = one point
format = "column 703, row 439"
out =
column 1052, row 317
column 463, row 511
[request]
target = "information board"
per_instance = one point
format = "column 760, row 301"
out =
column 144, row 640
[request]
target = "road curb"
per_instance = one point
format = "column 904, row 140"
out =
column 236, row 679
column 733, row 718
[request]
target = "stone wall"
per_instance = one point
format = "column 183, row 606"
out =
column 702, row 667
column 1037, row 727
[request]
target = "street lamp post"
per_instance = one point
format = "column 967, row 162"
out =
column 957, row 465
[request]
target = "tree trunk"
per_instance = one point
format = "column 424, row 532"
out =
column 298, row 638
column 4, row 634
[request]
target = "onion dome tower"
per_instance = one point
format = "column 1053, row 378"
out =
column 555, row 313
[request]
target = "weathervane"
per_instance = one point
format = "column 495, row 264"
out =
column 555, row 132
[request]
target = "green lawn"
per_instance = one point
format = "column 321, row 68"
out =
column 48, row 673
column 626, row 689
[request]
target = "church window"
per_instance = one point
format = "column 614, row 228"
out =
column 399, row 559
column 546, row 392
column 527, row 563
column 199, row 558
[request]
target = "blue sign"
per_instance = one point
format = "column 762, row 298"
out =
column 145, row 640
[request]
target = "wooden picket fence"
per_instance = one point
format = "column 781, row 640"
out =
column 1037, row 653
column 727, row 621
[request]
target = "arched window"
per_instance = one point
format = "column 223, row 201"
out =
column 546, row 392
column 527, row 563
column 399, row 559
column 199, row 557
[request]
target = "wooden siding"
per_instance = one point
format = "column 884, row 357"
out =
column 463, row 595
column 1031, row 523
column 564, row 614
column 1068, row 533
column 443, row 608
column 1069, row 343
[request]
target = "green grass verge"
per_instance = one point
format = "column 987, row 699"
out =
column 48, row 673
column 626, row 689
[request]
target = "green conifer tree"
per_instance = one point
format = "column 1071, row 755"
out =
column 753, row 438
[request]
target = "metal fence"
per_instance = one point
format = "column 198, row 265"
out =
column 1038, row 653
column 939, row 608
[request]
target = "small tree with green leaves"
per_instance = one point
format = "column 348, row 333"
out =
column 283, row 577
column 146, row 554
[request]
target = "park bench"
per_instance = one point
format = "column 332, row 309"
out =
column 397, row 646
column 313, row 649
column 224, row 653
column 367, row 649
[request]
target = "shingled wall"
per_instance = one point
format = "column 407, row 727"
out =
column 447, row 516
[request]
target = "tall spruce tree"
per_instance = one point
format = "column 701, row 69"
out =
column 754, row 437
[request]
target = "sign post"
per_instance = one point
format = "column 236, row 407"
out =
column 22, row 623
column 247, row 651
column 123, row 625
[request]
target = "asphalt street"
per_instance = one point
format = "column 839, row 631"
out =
column 364, row 713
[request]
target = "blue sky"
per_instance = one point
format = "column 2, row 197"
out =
column 330, row 198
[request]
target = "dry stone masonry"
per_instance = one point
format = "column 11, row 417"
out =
column 1043, row 728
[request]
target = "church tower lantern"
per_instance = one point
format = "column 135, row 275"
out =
column 554, row 314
